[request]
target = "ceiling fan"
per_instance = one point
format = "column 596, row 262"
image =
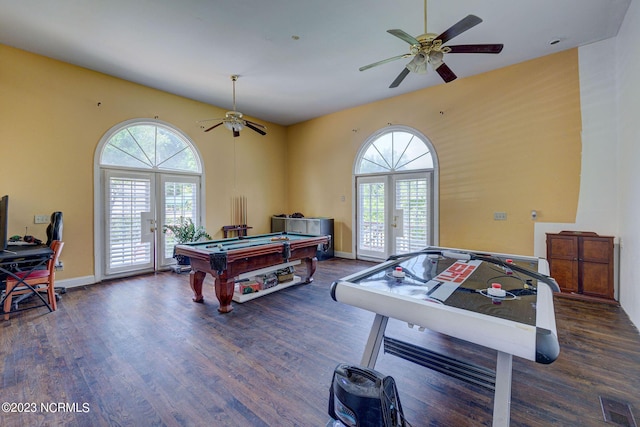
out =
column 430, row 48
column 234, row 120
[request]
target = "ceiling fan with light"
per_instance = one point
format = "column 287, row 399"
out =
column 429, row 47
column 234, row 120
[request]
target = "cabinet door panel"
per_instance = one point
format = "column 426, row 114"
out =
column 313, row 227
column 596, row 280
column 563, row 247
column 297, row 226
column 278, row 224
column 596, row 250
column 566, row 274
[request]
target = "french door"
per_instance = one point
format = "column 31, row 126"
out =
column 136, row 206
column 394, row 214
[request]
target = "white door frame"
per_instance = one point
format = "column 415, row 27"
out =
column 98, row 186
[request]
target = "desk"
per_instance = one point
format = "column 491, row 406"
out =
column 24, row 258
column 226, row 259
column 445, row 290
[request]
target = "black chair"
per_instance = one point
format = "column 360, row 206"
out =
column 54, row 229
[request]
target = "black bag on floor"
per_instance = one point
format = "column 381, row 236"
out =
column 363, row 397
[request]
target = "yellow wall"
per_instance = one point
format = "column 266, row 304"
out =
column 507, row 141
column 50, row 126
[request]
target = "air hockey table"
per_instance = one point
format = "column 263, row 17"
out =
column 500, row 301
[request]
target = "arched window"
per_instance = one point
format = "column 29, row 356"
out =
column 150, row 146
column 396, row 211
column 394, row 151
column 148, row 174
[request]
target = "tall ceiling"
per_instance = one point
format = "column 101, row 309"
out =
column 297, row 59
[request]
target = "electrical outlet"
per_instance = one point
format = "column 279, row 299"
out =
column 59, row 266
column 41, row 219
column 499, row 216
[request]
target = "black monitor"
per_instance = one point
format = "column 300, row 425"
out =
column 4, row 220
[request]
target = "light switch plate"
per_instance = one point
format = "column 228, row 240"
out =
column 41, row 219
column 499, row 216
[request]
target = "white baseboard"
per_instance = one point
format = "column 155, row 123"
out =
column 347, row 255
column 76, row 281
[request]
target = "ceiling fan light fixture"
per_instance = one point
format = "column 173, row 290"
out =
column 234, row 125
column 435, row 59
column 418, row 64
column 233, row 120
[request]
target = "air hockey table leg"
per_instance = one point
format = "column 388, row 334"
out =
column 376, row 336
column 502, row 396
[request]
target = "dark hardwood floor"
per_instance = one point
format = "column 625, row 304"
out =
column 138, row 352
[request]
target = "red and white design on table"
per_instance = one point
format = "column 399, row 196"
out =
column 445, row 283
column 458, row 272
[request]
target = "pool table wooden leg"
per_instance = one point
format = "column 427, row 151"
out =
column 311, row 268
column 224, row 292
column 195, row 280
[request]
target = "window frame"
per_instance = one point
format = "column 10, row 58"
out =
column 434, row 171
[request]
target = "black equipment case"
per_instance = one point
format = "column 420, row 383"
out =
column 362, row 397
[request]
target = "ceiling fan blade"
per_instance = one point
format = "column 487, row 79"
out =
column 384, row 61
column 405, row 71
column 458, row 28
column 256, row 124
column 251, row 126
column 404, row 36
column 445, row 72
column 213, row 127
column 476, row 48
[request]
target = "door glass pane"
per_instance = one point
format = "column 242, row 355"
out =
column 127, row 198
column 180, row 200
column 412, row 199
column 371, row 221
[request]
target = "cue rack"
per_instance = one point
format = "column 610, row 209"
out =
column 238, row 218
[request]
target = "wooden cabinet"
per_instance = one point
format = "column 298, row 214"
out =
column 582, row 263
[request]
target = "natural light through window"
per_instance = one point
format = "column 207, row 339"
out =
column 149, row 146
column 395, row 151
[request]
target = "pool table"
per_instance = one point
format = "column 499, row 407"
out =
column 225, row 259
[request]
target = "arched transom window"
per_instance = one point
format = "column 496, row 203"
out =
column 150, row 146
column 397, row 150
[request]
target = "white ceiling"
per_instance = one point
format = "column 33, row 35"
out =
column 192, row 47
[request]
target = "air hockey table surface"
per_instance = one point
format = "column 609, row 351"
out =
column 500, row 301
